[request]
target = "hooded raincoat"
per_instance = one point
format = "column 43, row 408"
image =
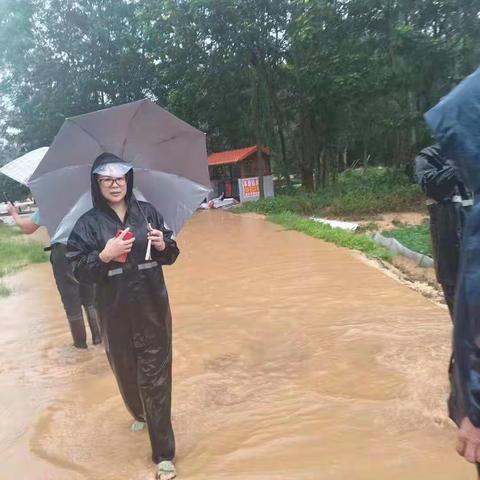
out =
column 454, row 121
column 447, row 195
column 133, row 307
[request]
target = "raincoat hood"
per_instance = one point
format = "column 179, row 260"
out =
column 455, row 121
column 104, row 159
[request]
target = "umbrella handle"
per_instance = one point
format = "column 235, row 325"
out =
column 148, row 253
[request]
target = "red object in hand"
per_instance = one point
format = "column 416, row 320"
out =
column 123, row 258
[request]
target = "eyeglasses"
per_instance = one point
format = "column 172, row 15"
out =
column 108, row 182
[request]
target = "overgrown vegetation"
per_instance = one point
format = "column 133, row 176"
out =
column 414, row 237
column 16, row 252
column 342, row 238
column 357, row 193
column 326, row 85
column 4, row 291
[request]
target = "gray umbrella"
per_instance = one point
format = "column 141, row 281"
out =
column 169, row 158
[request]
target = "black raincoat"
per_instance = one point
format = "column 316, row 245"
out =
column 133, row 308
column 438, row 180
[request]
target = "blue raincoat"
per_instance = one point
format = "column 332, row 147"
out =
column 455, row 121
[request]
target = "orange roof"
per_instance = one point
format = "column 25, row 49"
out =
column 233, row 156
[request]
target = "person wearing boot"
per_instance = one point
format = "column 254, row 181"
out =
column 449, row 203
column 121, row 246
column 72, row 293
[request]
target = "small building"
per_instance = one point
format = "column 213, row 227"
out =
column 235, row 173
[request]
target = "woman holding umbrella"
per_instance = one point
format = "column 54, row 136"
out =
column 110, row 247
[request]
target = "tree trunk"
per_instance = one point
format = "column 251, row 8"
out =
column 307, row 178
column 308, row 153
column 324, row 168
column 285, row 170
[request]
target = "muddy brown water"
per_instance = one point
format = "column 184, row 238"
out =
column 292, row 359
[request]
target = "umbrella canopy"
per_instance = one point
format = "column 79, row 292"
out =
column 169, row 158
column 22, row 168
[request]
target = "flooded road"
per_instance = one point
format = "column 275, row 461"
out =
column 292, row 359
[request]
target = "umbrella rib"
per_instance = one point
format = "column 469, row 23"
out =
column 128, row 128
column 173, row 137
column 88, row 133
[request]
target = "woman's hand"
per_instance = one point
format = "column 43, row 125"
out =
column 116, row 246
column 12, row 210
column 468, row 441
column 156, row 236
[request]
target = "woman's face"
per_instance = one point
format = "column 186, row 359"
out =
column 113, row 189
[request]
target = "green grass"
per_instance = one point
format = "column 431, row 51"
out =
column 17, row 251
column 360, row 193
column 339, row 237
column 4, row 291
column 357, row 193
column 414, row 237
column 301, row 204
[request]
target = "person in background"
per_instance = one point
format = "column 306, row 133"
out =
column 448, row 203
column 72, row 293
